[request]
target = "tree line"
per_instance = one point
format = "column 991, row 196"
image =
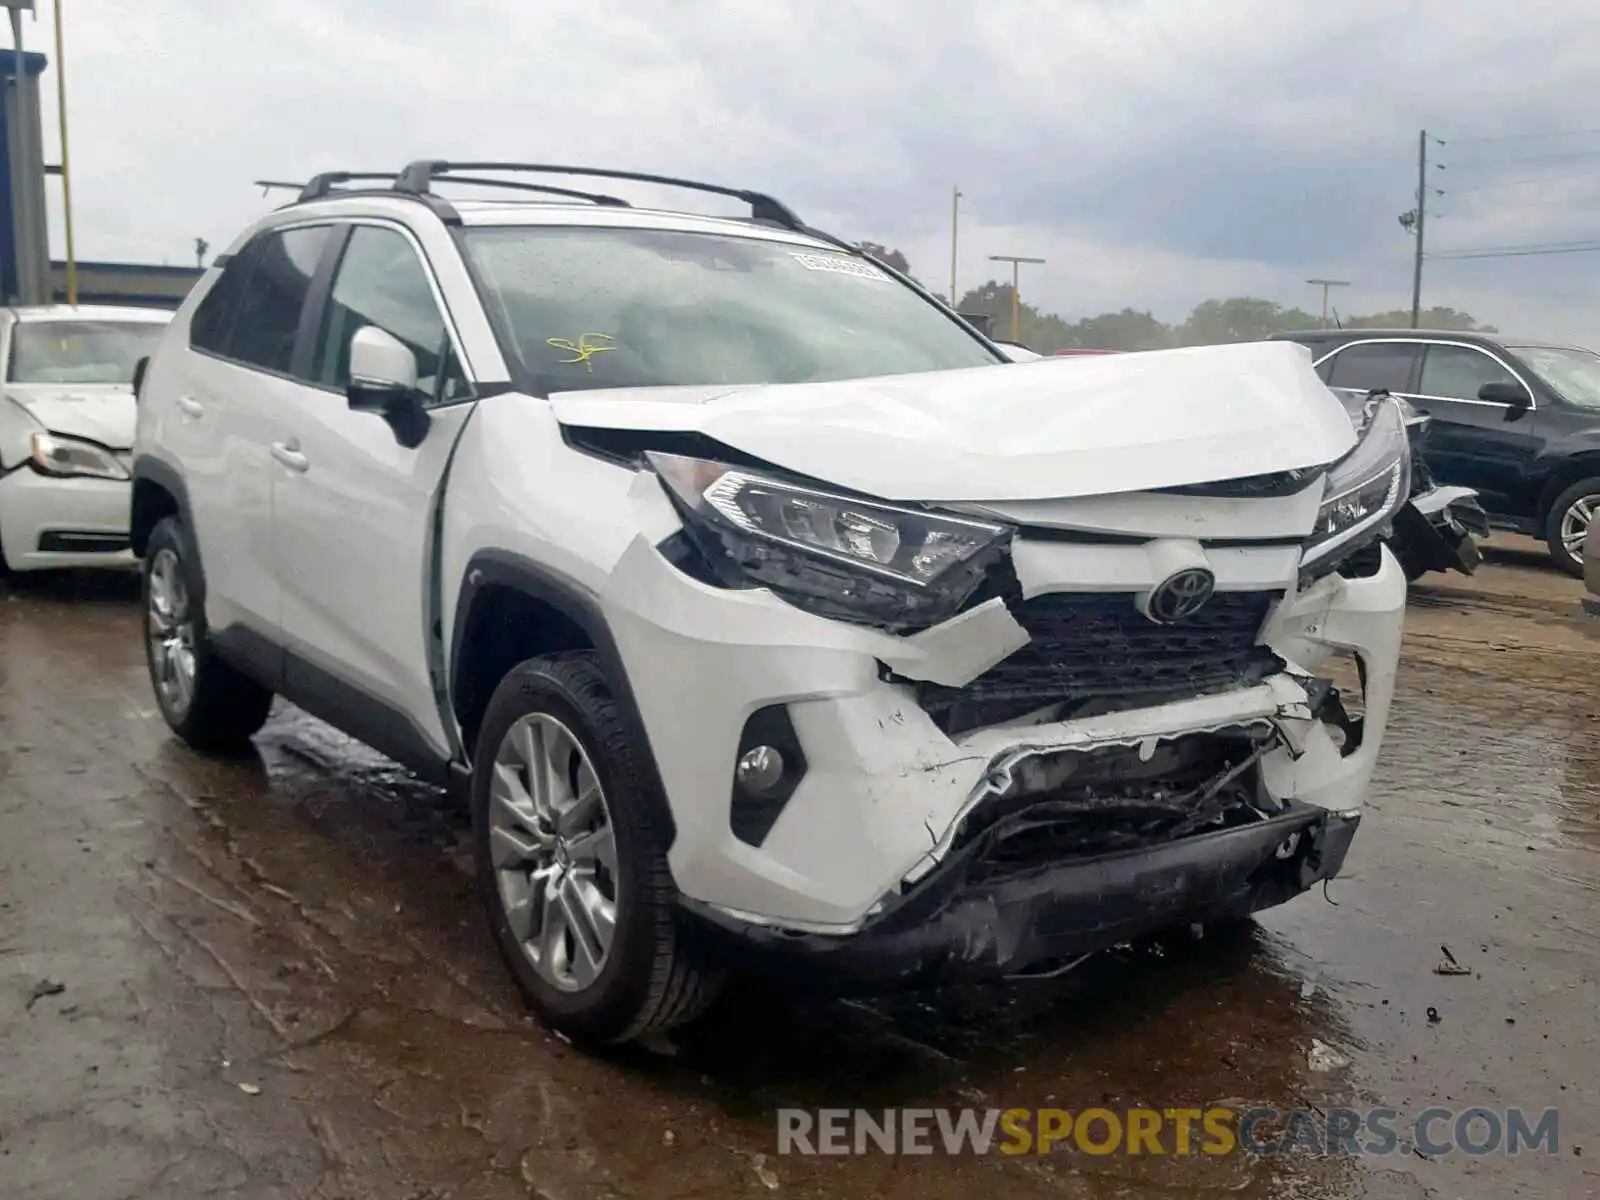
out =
column 1235, row 319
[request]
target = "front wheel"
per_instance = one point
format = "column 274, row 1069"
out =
column 1568, row 521
column 569, row 837
column 205, row 701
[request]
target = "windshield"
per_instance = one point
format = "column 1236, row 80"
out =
column 1573, row 373
column 80, row 351
column 605, row 308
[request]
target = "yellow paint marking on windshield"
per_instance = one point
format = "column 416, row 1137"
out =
column 584, row 348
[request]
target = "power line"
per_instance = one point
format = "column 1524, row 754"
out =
column 1471, row 164
column 1528, row 253
column 1505, row 183
column 1556, row 245
column 1521, row 137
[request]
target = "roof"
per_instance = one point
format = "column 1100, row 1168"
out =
column 89, row 312
column 1441, row 335
column 32, row 64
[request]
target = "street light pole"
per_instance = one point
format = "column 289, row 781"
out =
column 26, row 159
column 1016, row 261
column 1325, row 284
column 955, row 216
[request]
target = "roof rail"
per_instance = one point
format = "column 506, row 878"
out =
column 418, row 177
column 323, row 184
column 545, row 189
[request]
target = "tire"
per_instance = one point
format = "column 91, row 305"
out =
column 650, row 978
column 223, row 708
column 1557, row 523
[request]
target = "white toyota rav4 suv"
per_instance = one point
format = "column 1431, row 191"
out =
column 770, row 615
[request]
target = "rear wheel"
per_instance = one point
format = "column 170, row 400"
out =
column 1567, row 523
column 206, row 702
column 571, row 853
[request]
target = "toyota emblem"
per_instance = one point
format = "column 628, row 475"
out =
column 1178, row 597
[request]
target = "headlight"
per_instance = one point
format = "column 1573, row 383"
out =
column 64, row 456
column 839, row 556
column 1364, row 489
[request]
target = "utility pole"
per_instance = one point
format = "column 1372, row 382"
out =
column 200, row 248
column 1421, row 222
column 955, row 217
column 1325, row 284
column 1016, row 260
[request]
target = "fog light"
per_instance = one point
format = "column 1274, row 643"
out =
column 759, row 770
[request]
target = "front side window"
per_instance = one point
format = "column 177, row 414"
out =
column 1459, row 372
column 381, row 282
column 1573, row 373
column 1373, row 366
column 603, row 308
column 80, row 351
column 268, row 313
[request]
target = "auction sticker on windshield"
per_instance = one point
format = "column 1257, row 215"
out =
column 840, row 265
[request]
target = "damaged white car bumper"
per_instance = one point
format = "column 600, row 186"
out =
column 905, row 770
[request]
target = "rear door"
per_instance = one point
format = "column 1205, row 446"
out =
column 1476, row 443
column 355, row 512
column 230, row 403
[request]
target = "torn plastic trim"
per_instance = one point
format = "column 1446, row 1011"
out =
column 1282, row 697
column 959, row 928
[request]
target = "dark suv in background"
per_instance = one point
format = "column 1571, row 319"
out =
column 1515, row 419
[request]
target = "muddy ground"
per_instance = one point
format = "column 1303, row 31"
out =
column 271, row 979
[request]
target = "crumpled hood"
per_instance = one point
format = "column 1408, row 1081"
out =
column 98, row 412
column 1061, row 428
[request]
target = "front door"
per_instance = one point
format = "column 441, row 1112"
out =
column 355, row 510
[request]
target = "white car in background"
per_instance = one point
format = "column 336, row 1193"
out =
column 66, row 432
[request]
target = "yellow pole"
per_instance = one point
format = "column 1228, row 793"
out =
column 66, row 168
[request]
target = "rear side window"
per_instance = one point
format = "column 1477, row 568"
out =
column 213, row 319
column 1373, row 366
column 268, row 313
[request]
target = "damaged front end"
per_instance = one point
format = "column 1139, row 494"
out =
column 1062, row 852
column 1025, row 730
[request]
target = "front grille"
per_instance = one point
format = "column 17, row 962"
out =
column 1097, row 648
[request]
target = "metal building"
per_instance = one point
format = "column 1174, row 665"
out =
column 24, row 234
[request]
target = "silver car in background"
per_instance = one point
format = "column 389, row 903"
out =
column 66, row 432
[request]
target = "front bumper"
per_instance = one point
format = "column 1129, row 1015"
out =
column 886, row 792
column 48, row 523
column 957, row 928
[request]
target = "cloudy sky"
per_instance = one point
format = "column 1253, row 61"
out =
column 1155, row 152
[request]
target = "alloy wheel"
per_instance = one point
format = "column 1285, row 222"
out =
column 554, row 851
column 170, row 629
column 1575, row 524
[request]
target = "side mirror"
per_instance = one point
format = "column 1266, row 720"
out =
column 139, row 370
column 1513, row 395
column 383, row 381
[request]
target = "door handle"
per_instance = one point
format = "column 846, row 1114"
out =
column 288, row 453
column 190, row 407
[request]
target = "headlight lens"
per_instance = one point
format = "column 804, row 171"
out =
column 1364, row 489
column 837, row 555
column 63, row 456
